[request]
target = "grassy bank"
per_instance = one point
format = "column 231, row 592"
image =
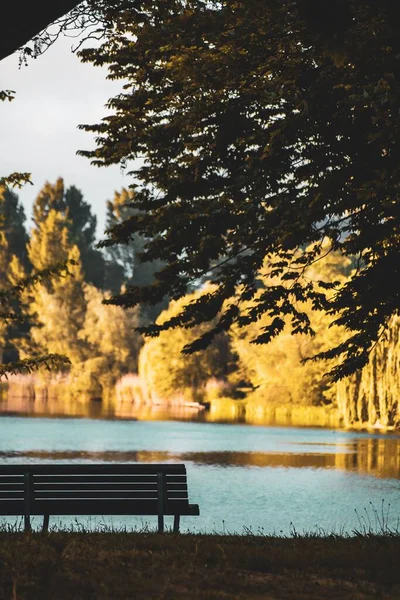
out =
column 81, row 565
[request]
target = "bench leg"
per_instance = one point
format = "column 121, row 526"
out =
column 27, row 523
column 176, row 523
column 160, row 523
column 45, row 527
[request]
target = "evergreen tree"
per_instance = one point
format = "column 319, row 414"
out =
column 124, row 264
column 128, row 255
column 82, row 228
column 124, row 255
column 12, row 224
column 13, row 259
column 120, row 258
column 83, row 222
column 4, row 264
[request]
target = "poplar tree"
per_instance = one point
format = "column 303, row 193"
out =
column 57, row 306
column 80, row 222
column 50, row 197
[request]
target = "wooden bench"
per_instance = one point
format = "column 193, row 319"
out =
column 95, row 489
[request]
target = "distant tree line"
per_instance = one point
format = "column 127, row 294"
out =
column 65, row 315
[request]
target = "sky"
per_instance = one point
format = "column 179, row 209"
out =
column 38, row 130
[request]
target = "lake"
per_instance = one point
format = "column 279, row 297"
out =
column 244, row 477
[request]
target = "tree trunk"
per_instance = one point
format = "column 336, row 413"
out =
column 371, row 397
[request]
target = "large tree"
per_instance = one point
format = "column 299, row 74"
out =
column 263, row 127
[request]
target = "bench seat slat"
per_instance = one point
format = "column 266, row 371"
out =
column 11, row 486
column 111, row 486
column 85, row 485
column 11, row 479
column 10, row 494
column 105, row 494
column 94, row 478
column 110, row 507
column 102, row 507
column 100, row 494
column 95, row 495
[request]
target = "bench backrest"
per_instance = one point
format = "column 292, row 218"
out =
column 94, row 489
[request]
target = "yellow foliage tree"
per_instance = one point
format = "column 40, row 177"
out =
column 49, row 243
column 168, row 373
column 276, row 370
column 59, row 310
column 113, row 345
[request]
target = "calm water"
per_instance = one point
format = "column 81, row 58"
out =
column 242, row 476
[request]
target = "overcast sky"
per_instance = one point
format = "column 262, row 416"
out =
column 38, row 130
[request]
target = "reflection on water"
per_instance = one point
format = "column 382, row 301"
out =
column 377, row 457
column 41, row 407
column 221, row 411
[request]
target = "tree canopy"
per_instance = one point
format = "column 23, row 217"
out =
column 263, row 128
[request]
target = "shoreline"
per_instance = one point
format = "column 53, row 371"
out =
column 224, row 410
column 29, row 394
